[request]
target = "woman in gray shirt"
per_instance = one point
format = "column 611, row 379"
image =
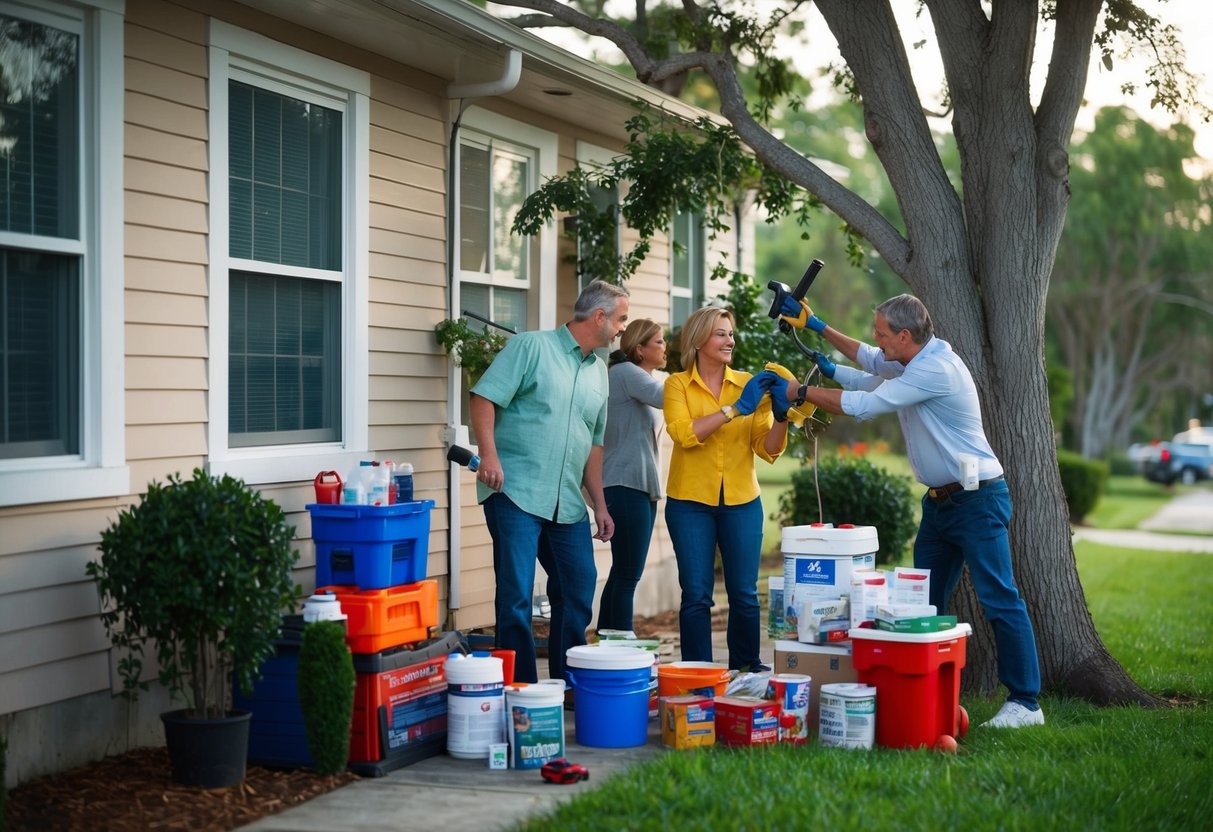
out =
column 629, row 464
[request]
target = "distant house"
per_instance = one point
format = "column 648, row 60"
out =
column 228, row 230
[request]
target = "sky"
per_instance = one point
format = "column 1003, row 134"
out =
column 1193, row 18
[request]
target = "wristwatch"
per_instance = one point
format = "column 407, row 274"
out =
column 728, row 410
column 800, row 394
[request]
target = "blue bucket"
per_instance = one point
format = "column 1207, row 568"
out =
column 611, row 695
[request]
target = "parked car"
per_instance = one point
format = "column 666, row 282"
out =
column 1185, row 462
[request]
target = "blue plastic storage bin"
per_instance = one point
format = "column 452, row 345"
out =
column 277, row 735
column 371, row 547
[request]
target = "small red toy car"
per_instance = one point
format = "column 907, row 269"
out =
column 561, row 770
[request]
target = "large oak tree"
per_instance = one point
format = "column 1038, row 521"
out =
column 979, row 254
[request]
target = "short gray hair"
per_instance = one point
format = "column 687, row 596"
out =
column 907, row 312
column 598, row 295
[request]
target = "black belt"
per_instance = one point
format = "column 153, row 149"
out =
column 942, row 492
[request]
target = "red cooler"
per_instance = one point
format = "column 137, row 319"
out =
column 917, row 681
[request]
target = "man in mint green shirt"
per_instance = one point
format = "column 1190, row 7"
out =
column 539, row 413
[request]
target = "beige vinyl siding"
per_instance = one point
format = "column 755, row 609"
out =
column 408, row 242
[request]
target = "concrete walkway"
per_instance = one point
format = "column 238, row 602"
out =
column 450, row 795
column 1164, row 532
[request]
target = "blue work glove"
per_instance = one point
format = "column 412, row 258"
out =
column 827, row 366
column 753, row 392
column 779, row 402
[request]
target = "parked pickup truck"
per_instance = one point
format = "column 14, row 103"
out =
column 1186, row 462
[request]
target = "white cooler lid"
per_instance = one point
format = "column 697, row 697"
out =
column 872, row 634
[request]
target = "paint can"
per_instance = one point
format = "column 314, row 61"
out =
column 848, row 715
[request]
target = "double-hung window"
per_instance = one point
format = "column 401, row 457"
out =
column 289, row 146
column 687, row 275
column 61, row 346
column 502, row 276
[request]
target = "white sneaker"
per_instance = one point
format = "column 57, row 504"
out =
column 1014, row 715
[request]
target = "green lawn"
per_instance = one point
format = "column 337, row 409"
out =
column 1088, row 768
column 1127, row 501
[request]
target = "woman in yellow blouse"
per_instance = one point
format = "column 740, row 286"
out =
column 719, row 419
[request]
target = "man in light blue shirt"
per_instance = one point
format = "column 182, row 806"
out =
column 539, row 413
column 918, row 376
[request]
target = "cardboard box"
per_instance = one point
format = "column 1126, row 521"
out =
column 826, row 663
column 746, row 720
column 687, row 721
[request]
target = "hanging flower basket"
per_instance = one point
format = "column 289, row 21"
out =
column 471, row 348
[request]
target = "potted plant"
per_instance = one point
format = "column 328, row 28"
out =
column 201, row 569
column 472, row 349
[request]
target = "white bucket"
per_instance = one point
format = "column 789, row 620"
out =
column 818, row 561
column 848, row 715
column 475, row 705
column 535, row 714
column 323, row 606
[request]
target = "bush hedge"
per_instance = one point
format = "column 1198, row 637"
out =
column 853, row 490
column 326, row 694
column 1083, row 481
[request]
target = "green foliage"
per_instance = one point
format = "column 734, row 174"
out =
column 326, row 694
column 669, row 165
column 471, row 346
column 1127, row 500
column 1083, row 481
column 201, row 568
column 853, row 490
column 1061, row 395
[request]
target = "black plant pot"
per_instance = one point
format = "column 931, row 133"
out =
column 210, row 753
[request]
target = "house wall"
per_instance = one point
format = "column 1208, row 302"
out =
column 57, row 677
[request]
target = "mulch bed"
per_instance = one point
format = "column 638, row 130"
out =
column 133, row 792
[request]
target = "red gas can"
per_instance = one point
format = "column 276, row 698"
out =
column 328, row 487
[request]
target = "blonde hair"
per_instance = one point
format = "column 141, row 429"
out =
column 637, row 335
column 697, row 330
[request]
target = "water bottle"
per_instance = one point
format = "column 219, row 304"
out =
column 354, row 490
column 404, row 482
column 380, row 489
column 393, row 491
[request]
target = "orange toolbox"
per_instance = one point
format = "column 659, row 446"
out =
column 379, row 619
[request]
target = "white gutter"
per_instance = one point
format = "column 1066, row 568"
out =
column 504, row 84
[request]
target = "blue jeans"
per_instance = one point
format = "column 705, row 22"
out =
column 697, row 530
column 566, row 552
column 634, row 514
column 971, row 527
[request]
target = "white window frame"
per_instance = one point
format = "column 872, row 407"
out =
column 100, row 469
column 242, row 55
column 544, row 145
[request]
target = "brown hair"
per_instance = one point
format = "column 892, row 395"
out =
column 697, row 330
column 635, row 336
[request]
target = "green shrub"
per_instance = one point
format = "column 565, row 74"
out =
column 200, row 571
column 854, row 490
column 1083, row 480
column 326, row 694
